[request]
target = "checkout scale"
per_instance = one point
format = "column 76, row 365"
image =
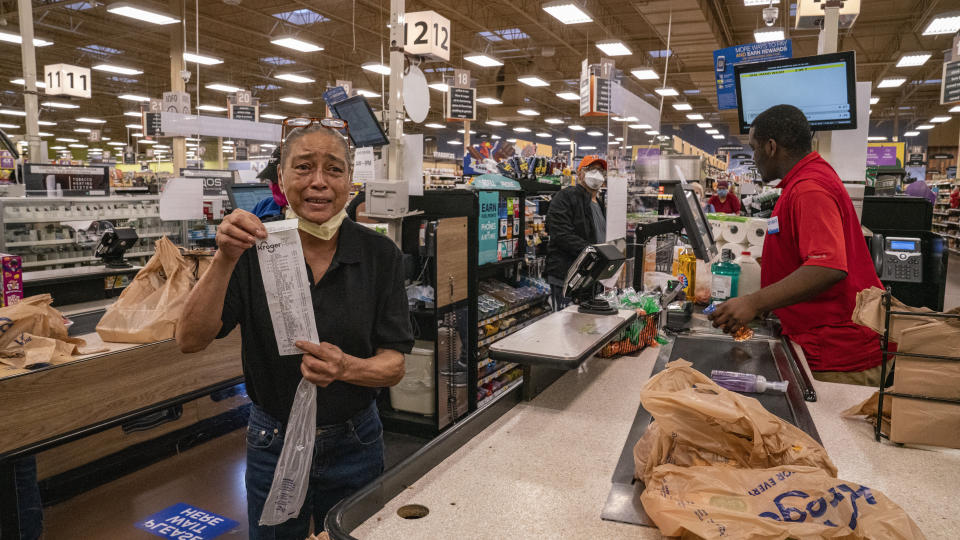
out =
column 566, row 339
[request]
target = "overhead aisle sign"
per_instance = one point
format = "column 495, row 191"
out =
column 427, row 33
column 725, row 59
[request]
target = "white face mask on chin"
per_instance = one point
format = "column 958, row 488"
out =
column 593, row 179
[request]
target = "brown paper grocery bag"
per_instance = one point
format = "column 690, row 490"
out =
column 870, row 312
column 697, row 422
column 804, row 503
column 33, row 332
column 149, row 308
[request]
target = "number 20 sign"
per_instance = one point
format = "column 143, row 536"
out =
column 67, row 80
column 426, row 33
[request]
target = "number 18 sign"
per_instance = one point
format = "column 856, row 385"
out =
column 67, row 80
column 426, row 33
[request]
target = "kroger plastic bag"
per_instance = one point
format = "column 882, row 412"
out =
column 290, row 479
column 804, row 503
column 697, row 422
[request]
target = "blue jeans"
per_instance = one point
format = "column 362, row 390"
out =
column 345, row 458
column 29, row 507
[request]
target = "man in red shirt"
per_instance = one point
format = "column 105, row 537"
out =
column 815, row 259
column 723, row 201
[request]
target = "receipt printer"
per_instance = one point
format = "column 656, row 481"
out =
column 387, row 198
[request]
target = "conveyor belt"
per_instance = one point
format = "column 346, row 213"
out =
column 767, row 357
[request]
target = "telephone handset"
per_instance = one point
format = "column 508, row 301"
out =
column 897, row 259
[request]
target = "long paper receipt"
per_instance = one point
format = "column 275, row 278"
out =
column 287, row 286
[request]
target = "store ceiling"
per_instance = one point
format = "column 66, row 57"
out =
column 519, row 32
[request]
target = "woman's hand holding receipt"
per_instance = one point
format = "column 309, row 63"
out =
column 237, row 233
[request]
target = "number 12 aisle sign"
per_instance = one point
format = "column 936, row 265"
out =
column 426, row 33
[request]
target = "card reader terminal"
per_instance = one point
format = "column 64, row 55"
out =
column 902, row 260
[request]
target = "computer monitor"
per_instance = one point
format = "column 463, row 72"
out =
column 823, row 87
column 246, row 196
column 363, row 126
column 695, row 223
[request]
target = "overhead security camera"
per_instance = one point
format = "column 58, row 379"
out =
column 185, row 75
column 770, row 15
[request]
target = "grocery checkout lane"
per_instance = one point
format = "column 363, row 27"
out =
column 550, row 467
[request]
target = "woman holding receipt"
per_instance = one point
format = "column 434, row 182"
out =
column 360, row 306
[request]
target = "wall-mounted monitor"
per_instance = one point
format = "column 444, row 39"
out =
column 823, row 87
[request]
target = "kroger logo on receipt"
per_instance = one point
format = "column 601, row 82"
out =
column 269, row 248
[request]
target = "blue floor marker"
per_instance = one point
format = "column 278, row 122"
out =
column 185, row 522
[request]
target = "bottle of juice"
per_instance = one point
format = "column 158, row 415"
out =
column 726, row 275
column 687, row 273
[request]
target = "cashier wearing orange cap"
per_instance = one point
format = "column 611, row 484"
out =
column 815, row 259
column 724, row 201
column 576, row 218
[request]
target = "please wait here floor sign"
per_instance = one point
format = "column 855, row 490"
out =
column 184, row 522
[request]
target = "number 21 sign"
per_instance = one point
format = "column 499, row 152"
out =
column 67, row 80
column 426, row 33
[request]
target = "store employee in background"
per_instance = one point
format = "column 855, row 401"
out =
column 576, row 218
column 723, row 201
column 360, row 308
column 815, row 260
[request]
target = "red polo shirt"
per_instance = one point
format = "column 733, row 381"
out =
column 731, row 205
column 818, row 226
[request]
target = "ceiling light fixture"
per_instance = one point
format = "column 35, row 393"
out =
column 269, row 116
column 297, row 44
column 652, row 132
column 116, row 144
column 135, row 12
column 544, row 135
column 911, row 134
column 15, row 38
column 132, row 113
column 576, row 127
column 874, row 100
column 87, row 120
column 645, row 74
column 434, row 125
column 496, row 123
column 60, row 105
column 201, row 59
column 133, row 126
column 11, row 112
column 367, row 93
column 528, row 112
column 594, row 133
column 719, row 137
column 925, row 127
column 954, row 110
column 77, row 146
column 614, row 48
column 534, row 81
column 223, row 88
column 712, row 131
column 45, row 123
column 489, row 101
column 683, row 106
column 667, row 91
column 294, row 78
column 939, row 119
column 766, row 34
column 944, row 23
column 110, row 68
column 9, row 126
column 876, row 138
column 211, row 108
column 295, row 100
column 695, row 116
column 482, row 60
column 588, row 148
column 892, row 82
column 750, row 3
column 21, row 82
column 567, row 12
column 134, row 97
column 554, row 121
column 440, row 87
column 913, row 59
column 66, row 139
column 569, row 96
column 376, row 67
column 84, row 130
column 521, row 130
column 705, row 125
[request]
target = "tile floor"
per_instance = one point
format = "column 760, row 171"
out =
column 208, row 476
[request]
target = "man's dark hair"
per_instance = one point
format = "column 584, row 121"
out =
column 788, row 126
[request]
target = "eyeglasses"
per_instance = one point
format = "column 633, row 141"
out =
column 295, row 122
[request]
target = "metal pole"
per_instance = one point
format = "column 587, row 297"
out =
column 395, row 112
column 30, row 101
column 828, row 44
column 177, row 32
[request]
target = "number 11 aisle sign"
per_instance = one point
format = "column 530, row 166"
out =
column 426, row 33
column 67, row 80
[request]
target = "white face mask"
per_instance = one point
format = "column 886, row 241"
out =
column 593, row 179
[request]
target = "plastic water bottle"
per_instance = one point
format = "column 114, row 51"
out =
column 749, row 274
column 746, row 382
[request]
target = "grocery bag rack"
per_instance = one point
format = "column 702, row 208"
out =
column 885, row 351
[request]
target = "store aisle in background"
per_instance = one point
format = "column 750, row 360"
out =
column 209, row 477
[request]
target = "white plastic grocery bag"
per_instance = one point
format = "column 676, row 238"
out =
column 292, row 476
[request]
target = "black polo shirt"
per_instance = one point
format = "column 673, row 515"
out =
column 360, row 305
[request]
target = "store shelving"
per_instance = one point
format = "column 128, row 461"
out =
column 500, row 371
column 491, row 398
column 75, row 260
column 515, row 328
column 524, row 306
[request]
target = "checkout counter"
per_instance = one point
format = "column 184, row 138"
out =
column 561, row 464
